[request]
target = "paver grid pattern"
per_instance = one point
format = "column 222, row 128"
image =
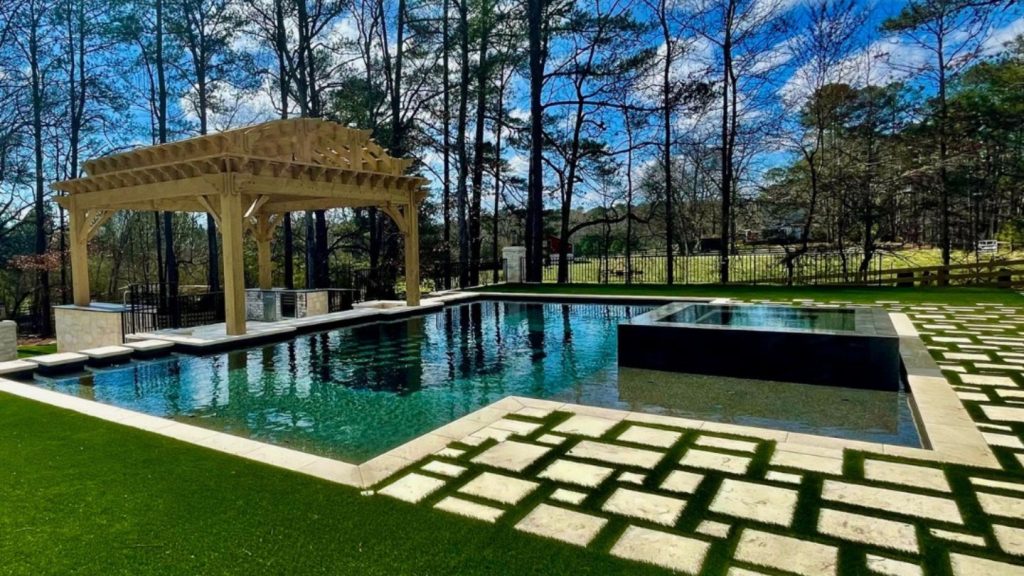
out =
column 699, row 502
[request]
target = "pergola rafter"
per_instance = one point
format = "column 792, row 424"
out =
column 246, row 179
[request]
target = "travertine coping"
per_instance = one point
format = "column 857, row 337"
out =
column 944, row 423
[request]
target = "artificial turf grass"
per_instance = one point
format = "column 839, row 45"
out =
column 861, row 295
column 80, row 495
column 30, row 350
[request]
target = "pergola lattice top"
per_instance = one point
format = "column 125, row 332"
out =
column 246, row 179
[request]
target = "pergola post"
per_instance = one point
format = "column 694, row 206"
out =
column 231, row 229
column 412, row 253
column 79, row 255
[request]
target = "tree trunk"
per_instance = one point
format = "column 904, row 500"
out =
column 460, row 144
column 478, row 151
column 535, row 189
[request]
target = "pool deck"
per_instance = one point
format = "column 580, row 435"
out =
column 548, row 467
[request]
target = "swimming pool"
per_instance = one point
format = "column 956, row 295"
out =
column 356, row 392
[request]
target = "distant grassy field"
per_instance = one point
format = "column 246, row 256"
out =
column 862, row 295
column 750, row 267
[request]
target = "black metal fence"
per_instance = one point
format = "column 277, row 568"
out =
column 744, row 268
column 387, row 282
column 147, row 308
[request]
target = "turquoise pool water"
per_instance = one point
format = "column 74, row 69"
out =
column 354, row 393
column 839, row 320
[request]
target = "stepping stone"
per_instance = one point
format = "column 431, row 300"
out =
column 1002, row 440
column 517, row 427
column 1003, row 413
column 551, row 439
column 906, row 474
column 412, row 487
column 149, row 346
column 964, row 565
column 16, row 367
column 807, row 462
column 450, row 452
column 682, row 481
column 469, row 509
column 727, row 443
column 569, row 472
column 585, row 425
column 560, row 524
column 1016, row 486
column 669, row 551
column 1010, row 539
column 59, row 360
column 444, row 469
column 714, row 529
column 895, row 501
column 973, row 396
column 489, row 433
column 786, row 477
column 568, row 496
column 868, row 530
column 970, row 539
column 737, row 571
column 645, row 506
column 650, row 436
column 715, row 461
column 511, row 455
column 1003, row 393
column 891, row 567
column 1005, row 506
column 107, row 353
column 787, row 554
column 760, row 502
column 632, row 478
column 498, row 487
column 614, row 454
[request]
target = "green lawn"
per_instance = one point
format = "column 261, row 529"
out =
column 952, row 295
column 80, row 495
column 30, row 350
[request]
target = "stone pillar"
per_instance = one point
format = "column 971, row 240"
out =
column 8, row 340
column 514, row 257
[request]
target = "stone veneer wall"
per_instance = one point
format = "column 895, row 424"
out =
column 82, row 328
column 8, row 340
column 316, row 304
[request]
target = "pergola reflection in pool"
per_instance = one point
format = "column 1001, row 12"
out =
column 247, row 179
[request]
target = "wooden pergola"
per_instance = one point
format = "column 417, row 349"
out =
column 247, row 179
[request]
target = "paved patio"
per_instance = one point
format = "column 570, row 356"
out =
column 696, row 497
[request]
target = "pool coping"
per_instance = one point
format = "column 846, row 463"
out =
column 946, row 429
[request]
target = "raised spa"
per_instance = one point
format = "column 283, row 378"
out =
column 851, row 347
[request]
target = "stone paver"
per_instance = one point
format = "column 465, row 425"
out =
column 412, row 487
column 1003, row 413
column 892, row 567
column 614, row 454
column 715, row 461
column 568, row 496
column 650, row 436
column 469, row 509
column 645, row 506
column 560, row 524
column 786, row 477
column 1004, row 506
column 681, row 481
column 868, row 530
column 894, row 501
column 671, row 551
column 714, row 529
column 964, row 565
column 551, row 439
column 444, row 469
column 517, row 427
column 569, row 472
column 786, row 553
column 632, row 478
column 727, row 443
column 498, row 487
column 760, row 502
column 987, row 380
column 1010, row 539
column 584, row 425
column 511, row 455
column 906, row 474
column 969, row 539
column 809, row 462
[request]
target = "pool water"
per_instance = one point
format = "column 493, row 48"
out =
column 354, row 393
column 766, row 317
